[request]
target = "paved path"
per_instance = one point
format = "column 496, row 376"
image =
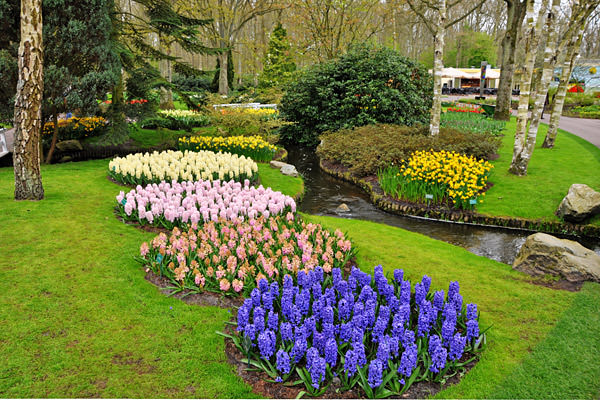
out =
column 588, row 129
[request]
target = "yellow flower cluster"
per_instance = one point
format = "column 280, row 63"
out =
column 220, row 143
column 143, row 168
column 260, row 112
column 86, row 124
column 179, row 113
column 463, row 177
column 254, row 147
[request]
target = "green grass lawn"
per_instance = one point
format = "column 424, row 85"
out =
column 550, row 174
column 156, row 137
column 79, row 320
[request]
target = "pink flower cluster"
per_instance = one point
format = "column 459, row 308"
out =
column 177, row 204
column 232, row 256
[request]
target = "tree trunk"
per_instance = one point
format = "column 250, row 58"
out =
column 561, row 91
column 223, row 84
column 515, row 11
column 28, row 105
column 521, row 156
column 54, row 138
column 438, row 66
column 543, row 81
column 118, row 132
column 166, row 94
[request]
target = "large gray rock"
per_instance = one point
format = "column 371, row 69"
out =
column 289, row 170
column 545, row 254
column 580, row 203
column 69, row 145
column 277, row 164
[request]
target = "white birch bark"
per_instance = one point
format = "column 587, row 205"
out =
column 542, row 85
column 438, row 66
column 559, row 98
column 520, row 160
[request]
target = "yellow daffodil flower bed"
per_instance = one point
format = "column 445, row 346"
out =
column 261, row 112
column 145, row 168
column 75, row 128
column 437, row 177
column 253, row 147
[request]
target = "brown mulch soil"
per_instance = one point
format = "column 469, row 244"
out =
column 147, row 228
column 116, row 182
column 199, row 299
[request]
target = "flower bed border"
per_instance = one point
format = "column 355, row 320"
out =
column 443, row 214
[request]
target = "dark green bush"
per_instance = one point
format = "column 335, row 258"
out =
column 155, row 123
column 193, row 83
column 364, row 150
column 364, row 86
column 590, row 114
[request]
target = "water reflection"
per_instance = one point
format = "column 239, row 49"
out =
column 325, row 193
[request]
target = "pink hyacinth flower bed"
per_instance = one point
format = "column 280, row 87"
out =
column 181, row 204
column 230, row 257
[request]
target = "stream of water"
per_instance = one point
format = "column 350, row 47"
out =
column 325, row 193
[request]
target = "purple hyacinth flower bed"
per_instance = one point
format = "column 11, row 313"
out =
column 365, row 332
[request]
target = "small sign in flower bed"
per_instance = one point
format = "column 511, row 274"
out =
column 363, row 333
column 437, row 177
column 180, row 204
column 230, row 257
column 253, row 147
column 145, row 168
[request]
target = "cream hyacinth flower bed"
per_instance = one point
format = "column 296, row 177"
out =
column 144, row 168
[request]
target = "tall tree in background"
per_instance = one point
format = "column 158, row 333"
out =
column 524, row 137
column 515, row 11
column 132, row 34
column 435, row 17
column 28, row 104
column 331, row 26
column 569, row 45
column 227, row 19
column 279, row 63
column 214, row 86
column 470, row 48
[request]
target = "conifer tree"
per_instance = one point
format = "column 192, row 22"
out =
column 80, row 62
column 279, row 63
column 130, row 35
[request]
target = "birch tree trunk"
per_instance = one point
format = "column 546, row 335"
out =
column 438, row 66
column 543, row 83
column 28, row 105
column 515, row 13
column 521, row 157
column 559, row 98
